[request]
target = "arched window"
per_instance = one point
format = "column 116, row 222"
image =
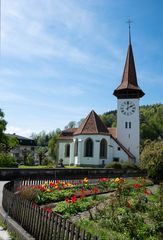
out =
column 103, row 148
column 88, row 148
column 76, row 148
column 67, row 150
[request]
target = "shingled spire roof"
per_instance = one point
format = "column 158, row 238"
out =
column 92, row 125
column 129, row 87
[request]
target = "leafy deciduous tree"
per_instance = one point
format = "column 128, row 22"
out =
column 152, row 158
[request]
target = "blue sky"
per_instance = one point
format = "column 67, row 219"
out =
column 62, row 58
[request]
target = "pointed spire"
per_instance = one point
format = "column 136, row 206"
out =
column 129, row 30
column 129, row 87
column 92, row 125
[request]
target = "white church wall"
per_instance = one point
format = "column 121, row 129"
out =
column 113, row 151
column 66, row 160
column 117, row 151
column 95, row 160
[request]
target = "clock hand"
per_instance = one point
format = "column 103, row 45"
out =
column 131, row 106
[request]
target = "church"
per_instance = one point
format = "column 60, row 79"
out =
column 93, row 144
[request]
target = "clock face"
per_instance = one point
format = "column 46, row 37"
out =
column 128, row 108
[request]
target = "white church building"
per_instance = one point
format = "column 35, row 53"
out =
column 93, row 144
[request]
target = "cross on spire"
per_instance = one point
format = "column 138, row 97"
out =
column 129, row 22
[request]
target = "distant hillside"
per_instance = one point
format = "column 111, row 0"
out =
column 151, row 121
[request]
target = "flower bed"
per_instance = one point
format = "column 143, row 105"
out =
column 132, row 212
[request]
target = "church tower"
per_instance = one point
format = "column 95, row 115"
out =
column 128, row 94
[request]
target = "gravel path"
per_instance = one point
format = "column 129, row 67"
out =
column 4, row 234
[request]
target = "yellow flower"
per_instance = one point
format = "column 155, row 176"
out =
column 69, row 185
column 85, row 180
column 48, row 190
column 117, row 180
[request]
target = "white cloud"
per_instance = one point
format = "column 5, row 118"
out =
column 20, row 131
column 47, row 33
column 25, row 34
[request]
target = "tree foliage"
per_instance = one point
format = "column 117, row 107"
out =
column 6, row 160
column 151, row 118
column 41, row 138
column 110, row 118
column 71, row 124
column 152, row 158
column 6, row 144
column 47, row 145
column 53, row 147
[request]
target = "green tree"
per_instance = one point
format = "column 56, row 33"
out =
column 6, row 144
column 71, row 124
column 3, row 125
column 109, row 118
column 53, row 146
column 152, row 158
column 6, row 160
column 151, row 119
column 41, row 152
column 41, row 138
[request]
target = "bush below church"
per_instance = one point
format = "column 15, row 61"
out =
column 6, row 160
column 125, row 165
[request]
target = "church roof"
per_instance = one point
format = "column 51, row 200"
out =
column 67, row 134
column 129, row 86
column 113, row 132
column 92, row 125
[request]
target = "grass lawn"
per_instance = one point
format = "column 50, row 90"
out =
column 39, row 166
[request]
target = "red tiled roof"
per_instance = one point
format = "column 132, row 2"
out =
column 67, row 133
column 113, row 132
column 92, row 125
column 129, row 85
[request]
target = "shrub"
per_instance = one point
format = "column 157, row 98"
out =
column 6, row 160
column 114, row 165
column 29, row 193
column 30, row 160
column 152, row 159
column 129, row 166
column 47, row 162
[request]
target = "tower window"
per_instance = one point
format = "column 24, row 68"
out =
column 127, row 124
